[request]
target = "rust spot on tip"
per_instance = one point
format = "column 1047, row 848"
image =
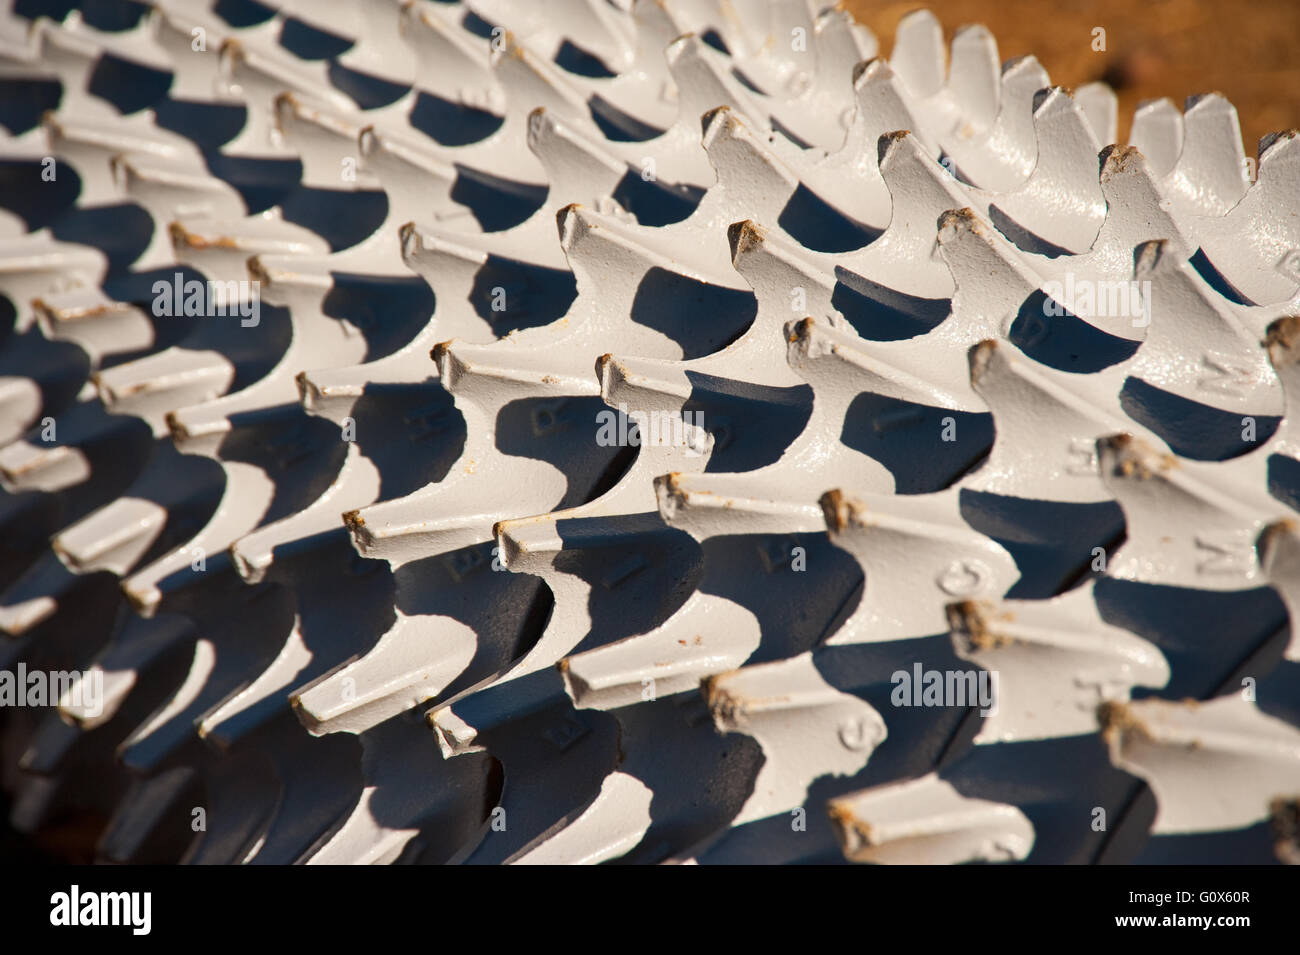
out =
column 1135, row 460
column 968, row 618
column 1119, row 158
column 1118, row 721
column 178, row 430
column 843, row 817
column 744, row 236
column 833, row 506
column 726, row 707
column 1283, row 333
column 440, row 350
column 354, row 520
column 1284, row 821
column 182, row 236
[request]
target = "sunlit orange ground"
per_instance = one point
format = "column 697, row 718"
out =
column 1248, row 51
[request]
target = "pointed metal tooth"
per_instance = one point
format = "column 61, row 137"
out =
column 194, row 72
column 1210, row 177
column 221, row 249
column 825, row 355
column 458, row 726
column 921, row 192
column 244, row 500
column 597, row 28
column 575, row 164
column 1279, row 556
column 90, row 143
column 1136, row 212
column 99, row 326
column 842, row 44
column 1158, row 134
column 624, row 518
column 624, row 253
column 501, row 372
column 774, row 267
column 256, row 75
column 918, row 55
column 449, row 60
column 444, row 517
column 1056, row 661
column 150, row 387
column 709, row 505
column 750, row 176
column 1213, row 766
column 20, row 403
column 70, row 56
column 135, row 45
column 927, row 822
column 37, row 265
column 111, row 539
column 1190, row 523
column 535, row 80
column 1280, row 341
column 373, row 25
column 333, row 392
column 1061, row 201
column 611, row 826
column 708, row 635
column 975, row 78
column 1254, row 245
column 440, row 809
column 399, row 673
column 944, row 559
column 1007, row 150
column 325, row 138
column 992, row 279
column 880, row 107
column 1101, row 108
column 28, row 467
column 704, row 83
column 1188, row 318
column 232, row 720
column 411, row 176
column 1059, row 414
column 806, row 727
column 356, row 485
column 168, row 188
column 441, row 259
column 460, row 511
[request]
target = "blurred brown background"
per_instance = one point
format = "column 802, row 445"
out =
column 1248, row 51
